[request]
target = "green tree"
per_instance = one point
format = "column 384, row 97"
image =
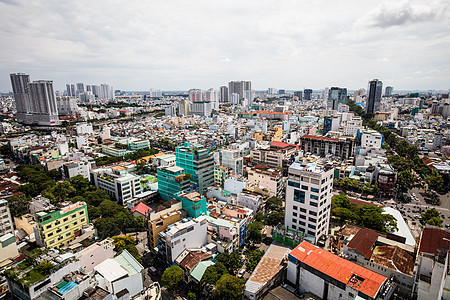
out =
column 432, row 217
column 230, row 260
column 107, row 227
column 173, row 277
column 254, row 232
column 434, row 180
column 229, row 287
column 405, row 180
column 62, row 191
column 252, row 259
column 273, row 203
column 213, row 273
column 127, row 242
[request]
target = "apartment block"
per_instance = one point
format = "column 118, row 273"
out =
column 319, row 145
column 161, row 217
column 73, row 168
column 6, row 224
column 220, row 174
column 193, row 203
column 57, row 227
column 308, row 197
column 269, row 179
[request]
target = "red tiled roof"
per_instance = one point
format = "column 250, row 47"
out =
column 434, row 239
column 141, row 208
column 363, row 241
column 318, row 137
column 282, row 145
column 340, row 269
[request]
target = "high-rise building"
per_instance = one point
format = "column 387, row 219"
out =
column 45, row 110
column 195, row 160
column 239, row 87
column 171, row 180
column 6, row 224
column 308, row 198
column 374, row 96
column 70, row 90
column 80, row 88
column 250, row 96
column 307, row 93
column 211, row 95
column 298, row 94
column 336, row 96
column 388, row 91
column 106, row 91
column 196, row 95
column 234, row 98
column 224, row 94
column 327, row 121
column 183, row 107
column 281, row 92
column 272, row 91
column 19, row 82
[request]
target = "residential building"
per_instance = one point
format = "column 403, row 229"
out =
column 135, row 144
column 268, row 273
column 220, row 174
column 238, row 87
column 45, row 109
column 67, row 105
column 185, row 234
column 250, row 200
column 235, row 184
column 432, row 277
column 117, row 182
column 328, row 276
column 353, row 126
column 57, row 227
column 166, row 160
column 388, row 91
column 109, row 148
column 223, row 94
column 195, row 160
column 374, row 92
column 160, row 218
column 193, row 203
column 308, row 198
column 229, row 158
column 20, row 85
column 299, row 95
column 123, row 276
column 371, row 139
column 171, row 180
column 6, row 224
column 319, row 145
column 278, row 155
column 8, row 247
column 73, row 168
column 270, row 179
column 96, row 253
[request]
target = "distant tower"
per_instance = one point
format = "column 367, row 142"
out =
column 238, row 87
column 374, row 92
column 388, row 91
column 336, row 96
column 45, row 110
column 19, row 82
column 80, row 88
column 224, row 94
column 299, row 94
column 307, row 94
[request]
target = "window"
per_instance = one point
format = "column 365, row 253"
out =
column 73, row 216
column 48, row 226
column 303, row 210
column 311, row 226
column 299, row 196
column 313, row 203
column 314, row 197
column 314, row 190
column 304, row 187
column 65, row 219
column 312, row 213
column 82, row 220
column 294, row 220
column 294, row 207
column 82, row 212
column 312, row 220
column 68, row 234
column 50, row 234
column 294, row 214
column 302, row 223
column 294, row 184
column 310, row 232
column 294, row 227
column 75, row 223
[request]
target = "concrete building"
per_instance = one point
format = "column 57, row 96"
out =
column 185, row 234
column 308, row 198
column 432, row 277
column 45, row 109
column 96, row 253
column 250, row 200
column 318, row 145
column 221, row 174
column 223, row 94
column 22, row 98
column 229, row 158
column 57, row 227
column 74, row 168
column 314, row 270
column 374, row 92
column 67, row 105
column 171, row 180
column 195, row 160
column 8, row 247
column 371, row 139
column 238, row 87
column 117, row 182
column 6, row 224
column 193, row 203
column 270, row 179
column 353, row 126
column 336, row 96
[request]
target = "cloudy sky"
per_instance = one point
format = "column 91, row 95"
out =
column 179, row 44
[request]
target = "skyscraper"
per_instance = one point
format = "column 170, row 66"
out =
column 70, row 89
column 298, row 94
column 224, row 94
column 19, row 82
column 374, row 96
column 336, row 96
column 388, row 91
column 80, row 88
column 307, row 94
column 45, row 110
column 239, row 87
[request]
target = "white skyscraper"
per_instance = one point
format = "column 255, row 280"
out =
column 155, row 93
column 234, row 98
column 45, row 110
column 250, row 95
column 238, row 87
column 80, row 88
column 211, row 95
column 308, row 198
column 19, row 82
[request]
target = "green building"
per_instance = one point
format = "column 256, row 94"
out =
column 171, row 180
column 195, row 160
column 193, row 203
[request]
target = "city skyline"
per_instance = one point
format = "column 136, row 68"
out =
column 179, row 46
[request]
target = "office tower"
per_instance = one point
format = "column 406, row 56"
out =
column 250, row 96
column 327, row 121
column 224, row 94
column 45, row 110
column 298, row 94
column 374, row 96
column 80, row 88
column 239, row 87
column 195, row 160
column 70, row 90
column 308, row 198
column 307, row 94
column 336, row 96
column 171, row 180
column 89, row 88
column 388, row 91
column 19, row 82
column 155, row 93
column 281, row 92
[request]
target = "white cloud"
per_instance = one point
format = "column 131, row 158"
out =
column 178, row 44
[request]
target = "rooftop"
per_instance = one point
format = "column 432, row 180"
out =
column 434, row 238
column 349, row 273
column 363, row 241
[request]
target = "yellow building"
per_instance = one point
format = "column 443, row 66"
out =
column 56, row 228
column 161, row 218
column 220, row 174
